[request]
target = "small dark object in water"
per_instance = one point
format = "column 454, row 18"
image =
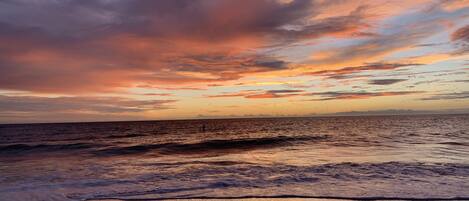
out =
column 202, row 129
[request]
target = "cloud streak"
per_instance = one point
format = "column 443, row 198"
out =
column 357, row 95
column 260, row 94
column 385, row 81
column 332, row 95
column 347, row 72
column 461, row 39
column 449, row 96
column 102, row 105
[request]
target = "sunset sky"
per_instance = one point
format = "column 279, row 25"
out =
column 142, row 59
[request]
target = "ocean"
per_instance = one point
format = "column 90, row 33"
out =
column 375, row 157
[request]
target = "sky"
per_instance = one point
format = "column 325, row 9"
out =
column 108, row 60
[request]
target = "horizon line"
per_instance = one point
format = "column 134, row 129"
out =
column 339, row 114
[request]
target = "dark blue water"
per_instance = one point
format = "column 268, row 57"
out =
column 341, row 157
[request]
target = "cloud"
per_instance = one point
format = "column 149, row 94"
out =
column 346, row 72
column 357, row 95
column 83, row 47
column 146, row 86
column 460, row 38
column 449, row 96
column 431, row 19
column 158, row 94
column 35, row 109
column 461, row 34
column 454, row 4
column 385, row 81
column 423, row 74
column 101, row 105
column 72, row 47
column 260, row 94
column 430, row 44
column 283, row 91
column 369, row 50
column 276, row 94
column 166, row 48
column 235, row 94
column 427, row 82
column 461, row 81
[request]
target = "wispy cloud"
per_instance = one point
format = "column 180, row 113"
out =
column 345, row 72
column 400, row 37
column 235, row 94
column 158, row 94
column 276, row 94
column 449, row 96
column 101, row 105
column 464, row 81
column 357, row 95
column 324, row 95
column 461, row 39
column 385, row 81
column 260, row 94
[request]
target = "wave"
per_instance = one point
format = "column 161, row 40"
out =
column 124, row 136
column 213, row 163
column 454, row 143
column 27, row 148
column 263, row 180
column 209, row 146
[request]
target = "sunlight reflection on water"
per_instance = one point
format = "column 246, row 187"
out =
column 405, row 156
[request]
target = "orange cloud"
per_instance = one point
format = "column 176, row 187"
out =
column 197, row 43
column 186, row 45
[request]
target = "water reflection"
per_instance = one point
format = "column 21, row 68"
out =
column 350, row 156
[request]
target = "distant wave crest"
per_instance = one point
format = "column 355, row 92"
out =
column 210, row 145
column 26, row 148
